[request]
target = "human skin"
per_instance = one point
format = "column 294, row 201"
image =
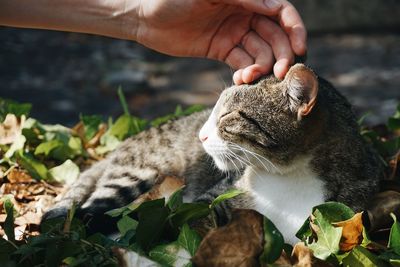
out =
column 254, row 37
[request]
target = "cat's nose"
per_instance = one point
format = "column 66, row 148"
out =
column 203, row 138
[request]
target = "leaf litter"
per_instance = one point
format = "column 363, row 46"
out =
column 39, row 162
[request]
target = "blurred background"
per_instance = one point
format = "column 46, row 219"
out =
column 354, row 44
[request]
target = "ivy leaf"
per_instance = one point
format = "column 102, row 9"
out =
column 394, row 237
column 91, row 124
column 125, row 224
column 11, row 107
column 189, row 239
column 152, row 217
column 122, row 128
column 273, row 242
column 229, row 194
column 360, row 256
column 108, row 143
column 6, row 250
column 171, row 255
column 46, row 147
column 328, row 237
column 67, row 173
column 188, row 212
column 175, row 200
column 35, row 168
column 335, row 211
column 9, row 222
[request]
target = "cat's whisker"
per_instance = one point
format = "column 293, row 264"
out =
column 254, row 155
column 257, row 156
column 233, row 162
column 243, row 161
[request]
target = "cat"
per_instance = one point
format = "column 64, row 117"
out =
column 289, row 144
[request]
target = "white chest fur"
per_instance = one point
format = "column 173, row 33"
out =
column 286, row 199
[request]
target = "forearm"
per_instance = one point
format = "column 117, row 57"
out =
column 113, row 18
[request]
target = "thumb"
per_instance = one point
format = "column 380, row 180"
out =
column 264, row 7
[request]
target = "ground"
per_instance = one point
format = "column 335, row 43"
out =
column 65, row 74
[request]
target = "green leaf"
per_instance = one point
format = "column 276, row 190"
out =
column 193, row 109
column 46, row 147
column 108, row 143
column 360, row 256
column 394, row 237
column 18, row 109
column 273, row 242
column 9, row 222
column 334, row 211
column 122, row 100
column 67, row 173
column 91, row 125
column 151, row 225
column 305, row 231
column 122, row 128
column 175, row 200
column 178, row 111
column 328, row 237
column 6, row 250
column 172, row 255
column 35, row 168
column 125, row 224
column 229, row 194
column 189, row 239
column 188, row 212
column 394, row 123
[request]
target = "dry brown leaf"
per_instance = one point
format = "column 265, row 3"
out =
column 239, row 243
column 164, row 188
column 19, row 176
column 95, row 141
column 283, row 261
column 351, row 233
column 10, row 129
column 302, row 256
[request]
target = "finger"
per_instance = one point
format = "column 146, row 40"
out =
column 293, row 25
column 237, row 77
column 238, row 58
column 279, row 42
column 261, row 52
column 265, row 7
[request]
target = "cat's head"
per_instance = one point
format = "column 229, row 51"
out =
column 266, row 124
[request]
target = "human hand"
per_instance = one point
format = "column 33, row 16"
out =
column 252, row 36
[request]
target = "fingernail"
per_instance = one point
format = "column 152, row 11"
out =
column 272, row 4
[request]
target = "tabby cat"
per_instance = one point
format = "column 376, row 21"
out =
column 289, row 144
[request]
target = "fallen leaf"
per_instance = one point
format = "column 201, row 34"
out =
column 164, row 188
column 67, row 173
column 302, row 256
column 19, row 176
column 352, row 232
column 239, row 243
column 10, row 129
column 328, row 237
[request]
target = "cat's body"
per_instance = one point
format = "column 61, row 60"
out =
column 289, row 144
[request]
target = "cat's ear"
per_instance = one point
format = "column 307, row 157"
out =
column 301, row 86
